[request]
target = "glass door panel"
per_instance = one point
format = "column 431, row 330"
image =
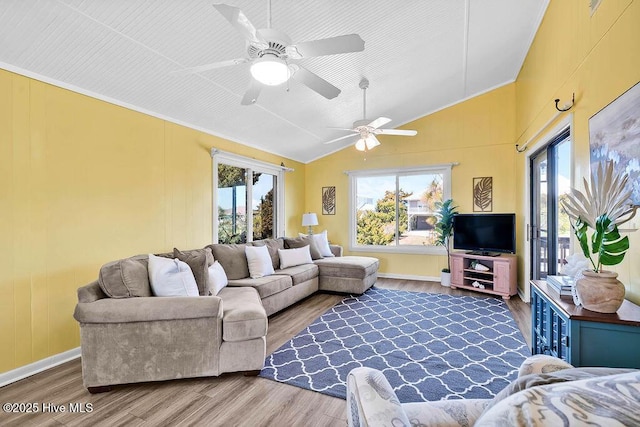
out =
column 232, row 204
column 264, row 213
column 539, row 229
column 550, row 229
column 563, row 184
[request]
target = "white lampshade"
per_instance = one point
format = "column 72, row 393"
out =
column 270, row 70
column 371, row 142
column 309, row 219
column 367, row 143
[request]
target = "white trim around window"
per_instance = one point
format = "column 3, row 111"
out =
column 252, row 165
column 444, row 169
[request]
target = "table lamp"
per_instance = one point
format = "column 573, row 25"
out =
column 309, row 220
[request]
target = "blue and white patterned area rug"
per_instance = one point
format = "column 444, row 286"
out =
column 429, row 346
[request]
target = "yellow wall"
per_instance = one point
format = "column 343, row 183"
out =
column 598, row 58
column 84, row 182
column 479, row 134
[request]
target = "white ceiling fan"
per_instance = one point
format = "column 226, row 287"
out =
column 367, row 130
column 269, row 52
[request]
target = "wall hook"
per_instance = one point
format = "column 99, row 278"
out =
column 567, row 106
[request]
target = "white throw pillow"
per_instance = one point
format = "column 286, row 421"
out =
column 322, row 243
column 259, row 261
column 293, row 257
column 217, row 278
column 171, row 278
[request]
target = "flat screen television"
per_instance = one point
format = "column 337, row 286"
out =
column 486, row 234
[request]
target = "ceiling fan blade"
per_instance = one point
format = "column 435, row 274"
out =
column 329, row 46
column 349, row 129
column 251, row 95
column 212, row 66
column 314, row 82
column 241, row 23
column 341, row 138
column 380, row 121
column 395, row 132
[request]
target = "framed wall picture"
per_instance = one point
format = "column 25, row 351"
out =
column 483, row 194
column 614, row 135
column 328, row 200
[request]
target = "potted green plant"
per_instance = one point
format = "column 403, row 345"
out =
column 444, row 230
column 596, row 215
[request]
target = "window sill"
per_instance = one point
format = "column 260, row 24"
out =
column 413, row 250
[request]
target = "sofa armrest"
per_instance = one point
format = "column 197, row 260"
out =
column 336, row 250
column 91, row 292
column 371, row 401
column 147, row 309
column 542, row 364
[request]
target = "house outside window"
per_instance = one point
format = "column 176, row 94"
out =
column 393, row 210
column 248, row 199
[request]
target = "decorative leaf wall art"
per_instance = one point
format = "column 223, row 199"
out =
column 328, row 200
column 483, row 194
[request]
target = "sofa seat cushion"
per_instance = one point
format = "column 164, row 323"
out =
column 266, row 286
column 300, row 273
column 244, row 317
column 353, row 267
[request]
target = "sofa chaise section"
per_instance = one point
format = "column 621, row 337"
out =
column 130, row 340
column 349, row 274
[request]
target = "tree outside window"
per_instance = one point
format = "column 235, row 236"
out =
column 397, row 209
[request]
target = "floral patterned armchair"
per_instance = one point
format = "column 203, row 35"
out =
column 547, row 392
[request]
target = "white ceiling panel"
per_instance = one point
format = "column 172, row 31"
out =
column 419, row 57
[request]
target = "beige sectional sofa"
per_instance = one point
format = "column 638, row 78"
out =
column 128, row 336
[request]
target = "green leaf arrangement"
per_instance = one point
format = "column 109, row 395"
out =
column 604, row 205
column 444, row 226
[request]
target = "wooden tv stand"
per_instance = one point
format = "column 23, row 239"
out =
column 501, row 279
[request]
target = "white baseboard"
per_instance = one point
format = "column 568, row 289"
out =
column 522, row 297
column 39, row 366
column 409, row 277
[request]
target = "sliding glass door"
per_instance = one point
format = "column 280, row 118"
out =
column 248, row 199
column 550, row 231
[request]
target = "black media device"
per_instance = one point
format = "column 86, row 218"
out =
column 485, row 234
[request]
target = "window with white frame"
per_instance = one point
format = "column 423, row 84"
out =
column 248, row 199
column 393, row 210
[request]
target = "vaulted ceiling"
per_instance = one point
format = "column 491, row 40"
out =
column 420, row 56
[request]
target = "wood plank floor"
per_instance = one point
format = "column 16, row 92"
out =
column 228, row 400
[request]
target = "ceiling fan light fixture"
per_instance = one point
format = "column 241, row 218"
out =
column 371, row 142
column 270, row 70
column 361, row 145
